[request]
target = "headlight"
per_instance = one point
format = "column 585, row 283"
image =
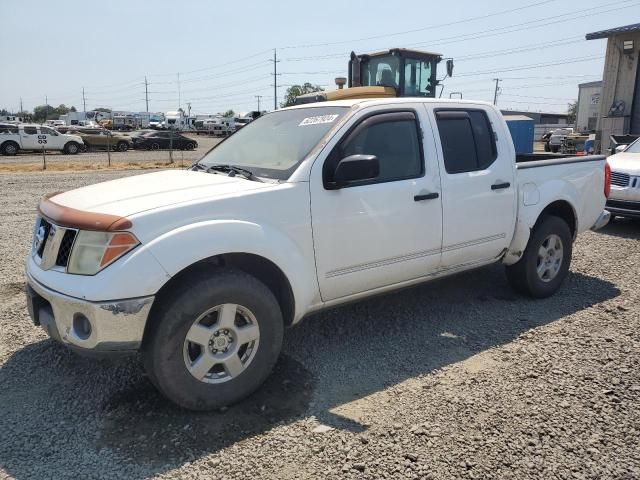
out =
column 93, row 251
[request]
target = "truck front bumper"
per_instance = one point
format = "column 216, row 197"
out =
column 624, row 208
column 110, row 326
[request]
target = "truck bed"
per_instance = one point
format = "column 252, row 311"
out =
column 533, row 160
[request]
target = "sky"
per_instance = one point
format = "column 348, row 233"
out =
column 216, row 55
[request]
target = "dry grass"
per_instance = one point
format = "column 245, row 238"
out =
column 83, row 166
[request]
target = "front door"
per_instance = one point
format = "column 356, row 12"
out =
column 479, row 191
column 385, row 231
column 51, row 137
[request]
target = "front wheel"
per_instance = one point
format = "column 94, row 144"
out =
column 214, row 340
column 545, row 262
column 123, row 146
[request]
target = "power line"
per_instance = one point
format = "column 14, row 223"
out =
column 545, row 21
column 421, row 29
column 537, row 65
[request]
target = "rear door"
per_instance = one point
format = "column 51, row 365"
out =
column 29, row 138
column 479, row 192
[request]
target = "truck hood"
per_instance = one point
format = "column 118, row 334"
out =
column 139, row 193
column 625, row 163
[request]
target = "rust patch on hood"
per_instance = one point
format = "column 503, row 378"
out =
column 71, row 217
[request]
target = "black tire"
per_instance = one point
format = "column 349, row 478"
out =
column 72, row 148
column 165, row 354
column 546, row 147
column 10, row 148
column 523, row 275
column 122, row 146
column 87, row 147
column 554, row 148
column 191, row 146
column 154, row 146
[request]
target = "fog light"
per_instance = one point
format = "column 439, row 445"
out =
column 81, row 326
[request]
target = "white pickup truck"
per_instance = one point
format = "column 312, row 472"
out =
column 14, row 138
column 303, row 209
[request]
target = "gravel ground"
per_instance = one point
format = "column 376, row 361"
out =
column 100, row 157
column 460, row 378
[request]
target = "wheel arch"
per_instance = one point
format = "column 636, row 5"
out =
column 564, row 210
column 259, row 267
column 561, row 208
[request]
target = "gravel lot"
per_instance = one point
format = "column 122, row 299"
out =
column 100, row 157
column 460, row 378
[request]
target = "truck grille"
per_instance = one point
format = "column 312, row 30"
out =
column 62, row 259
column 52, row 244
column 620, row 179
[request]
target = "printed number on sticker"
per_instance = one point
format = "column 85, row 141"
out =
column 317, row 120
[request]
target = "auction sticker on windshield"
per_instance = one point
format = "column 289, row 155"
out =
column 318, row 120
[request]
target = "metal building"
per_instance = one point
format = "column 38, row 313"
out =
column 588, row 106
column 620, row 99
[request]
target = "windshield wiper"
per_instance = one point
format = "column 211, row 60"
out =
column 233, row 171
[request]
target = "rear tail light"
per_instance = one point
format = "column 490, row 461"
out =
column 607, row 179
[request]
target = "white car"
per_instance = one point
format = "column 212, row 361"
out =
column 311, row 207
column 14, row 138
column 624, row 200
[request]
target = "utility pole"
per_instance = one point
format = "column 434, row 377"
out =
column 146, row 93
column 84, row 104
column 178, row 90
column 21, row 109
column 258, row 97
column 497, row 90
column 46, row 108
column 275, row 79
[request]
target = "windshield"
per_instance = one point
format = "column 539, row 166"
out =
column 275, row 144
column 634, row 147
column 381, row 71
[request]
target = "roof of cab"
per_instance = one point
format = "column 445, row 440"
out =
column 369, row 102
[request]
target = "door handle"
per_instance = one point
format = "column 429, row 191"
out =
column 498, row 186
column 426, row 196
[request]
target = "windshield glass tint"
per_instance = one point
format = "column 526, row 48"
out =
column 275, row 144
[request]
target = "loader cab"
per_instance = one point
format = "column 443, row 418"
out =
column 412, row 73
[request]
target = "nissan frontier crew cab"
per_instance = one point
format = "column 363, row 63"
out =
column 302, row 209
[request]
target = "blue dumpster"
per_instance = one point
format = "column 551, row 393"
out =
column 522, row 130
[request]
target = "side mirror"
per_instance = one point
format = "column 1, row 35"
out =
column 621, row 148
column 450, row 67
column 356, row 168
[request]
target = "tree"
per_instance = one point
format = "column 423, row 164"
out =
column 229, row 113
column 295, row 91
column 47, row 112
column 572, row 112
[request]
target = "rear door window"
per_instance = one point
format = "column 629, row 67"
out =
column 30, row 130
column 468, row 142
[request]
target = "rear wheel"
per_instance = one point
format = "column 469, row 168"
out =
column 9, row 148
column 71, row 148
column 214, row 340
column 545, row 262
column 123, row 146
column 191, row 146
column 155, row 146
